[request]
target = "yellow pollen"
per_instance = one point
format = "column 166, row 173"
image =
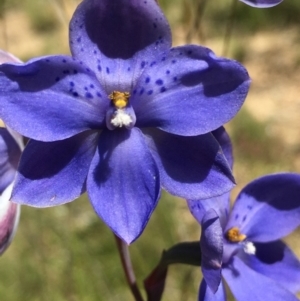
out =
column 234, row 235
column 119, row 99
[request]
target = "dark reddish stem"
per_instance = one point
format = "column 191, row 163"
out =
column 128, row 269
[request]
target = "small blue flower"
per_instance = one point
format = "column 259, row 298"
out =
column 244, row 246
column 124, row 116
column 262, row 3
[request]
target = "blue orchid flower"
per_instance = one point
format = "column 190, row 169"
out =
column 243, row 246
column 124, row 116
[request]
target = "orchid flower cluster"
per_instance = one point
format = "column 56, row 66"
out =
column 127, row 115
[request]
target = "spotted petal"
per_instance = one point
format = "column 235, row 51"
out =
column 117, row 39
column 246, row 284
column 262, row 3
column 51, row 98
column 268, row 208
column 123, row 182
column 54, row 173
column 190, row 91
column 190, row 167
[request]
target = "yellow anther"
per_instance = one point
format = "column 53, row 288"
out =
column 234, row 235
column 119, row 99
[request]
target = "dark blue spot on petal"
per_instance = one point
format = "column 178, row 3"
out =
column 152, row 64
column 57, row 79
column 75, row 94
column 128, row 69
column 163, row 89
column 75, row 71
column 72, row 84
column 244, row 218
column 78, row 40
column 150, row 92
column 147, row 80
column 85, row 88
column 99, row 68
column 159, row 82
column 134, row 91
column 95, row 52
column 92, row 86
column 107, row 70
column 99, row 94
column 142, row 91
column 236, row 216
column 143, row 63
column 189, row 52
column 168, row 72
column 173, row 61
column 175, row 78
column 88, row 95
column 47, row 60
column 64, row 61
column 88, row 69
column 154, row 25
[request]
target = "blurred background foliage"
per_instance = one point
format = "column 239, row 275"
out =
column 67, row 253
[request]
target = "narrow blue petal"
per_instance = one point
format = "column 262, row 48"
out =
column 262, row 3
column 190, row 92
column 51, row 98
column 190, row 167
column 10, row 153
column 268, row 208
column 211, row 243
column 246, row 284
column 54, row 173
column 118, row 39
column 276, row 261
column 123, row 182
column 206, row 294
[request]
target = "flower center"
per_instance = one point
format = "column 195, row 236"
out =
column 120, row 113
column 234, row 235
column 119, row 99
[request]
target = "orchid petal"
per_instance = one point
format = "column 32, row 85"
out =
column 10, row 153
column 206, row 294
column 190, row 92
column 246, row 284
column 276, row 261
column 6, row 57
column 262, row 3
column 9, row 218
column 54, row 173
column 51, row 98
column 118, row 39
column 123, row 182
column 225, row 142
column 268, row 208
column 190, row 167
column 211, row 243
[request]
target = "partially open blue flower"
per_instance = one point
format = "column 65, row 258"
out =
column 262, row 3
column 10, row 152
column 244, row 245
column 124, row 116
